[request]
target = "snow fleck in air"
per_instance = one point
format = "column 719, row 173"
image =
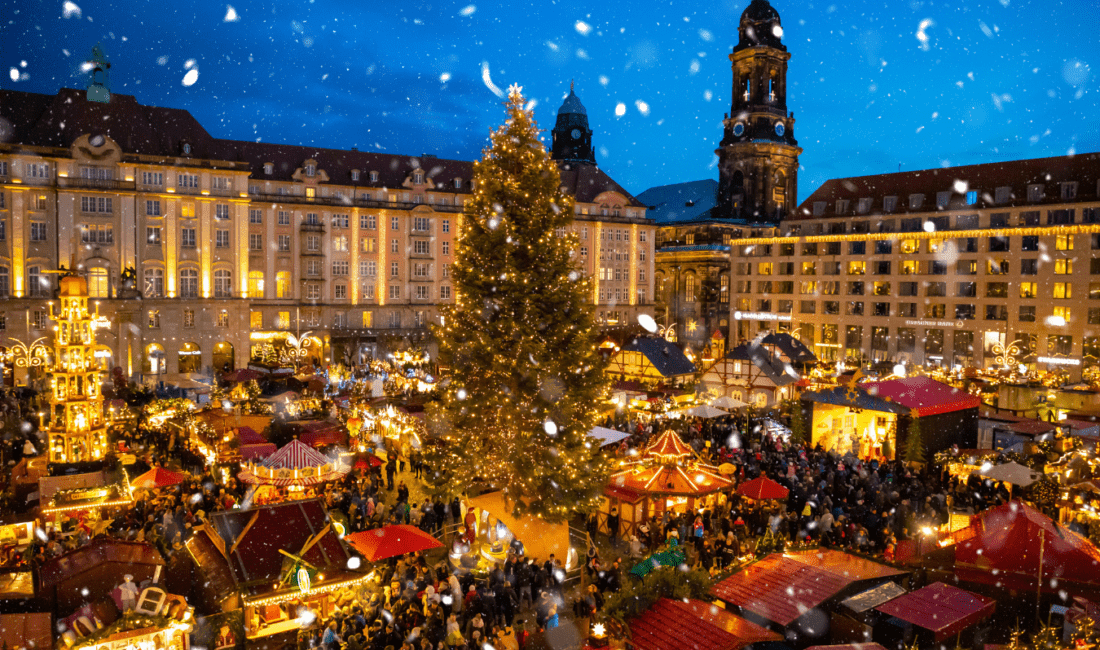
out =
column 899, row 369
column 188, row 64
column 620, row 108
column 708, row 95
column 445, row 77
column 582, row 55
column 1056, row 321
column 550, row 427
column 14, row 74
column 69, row 9
column 573, row 275
column 646, row 321
column 552, row 45
column 922, row 35
column 604, row 80
column 929, row 226
column 191, row 77
column 353, row 563
column 694, row 66
column 306, row 618
column 778, row 31
column 489, row 81
column 461, row 394
column 230, row 15
column 162, row 60
column 642, row 107
column 582, row 28
column 705, row 35
column 468, row 10
column 1075, row 72
column 961, row 186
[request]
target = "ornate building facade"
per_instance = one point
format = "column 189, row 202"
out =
column 200, row 251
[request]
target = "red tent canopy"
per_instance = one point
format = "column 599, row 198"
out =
column 1003, row 546
column 940, row 608
column 391, row 541
column 922, row 395
column 249, row 436
column 673, row 624
column 668, row 444
column 158, row 477
column 762, row 488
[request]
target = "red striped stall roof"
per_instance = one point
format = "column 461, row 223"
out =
column 922, row 395
column 296, row 455
column 674, row 624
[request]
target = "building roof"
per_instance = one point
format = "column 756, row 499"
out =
column 794, row 349
column 586, row 182
column 941, row 608
column 681, row 202
column 253, row 538
column 101, row 551
column 923, row 395
column 854, row 398
column 984, row 178
column 572, row 104
column 673, row 624
column 781, row 587
column 666, row 357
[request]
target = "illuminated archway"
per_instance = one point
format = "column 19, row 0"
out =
column 190, row 358
column 223, row 357
column 153, row 362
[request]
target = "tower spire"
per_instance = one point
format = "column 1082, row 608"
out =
column 99, row 83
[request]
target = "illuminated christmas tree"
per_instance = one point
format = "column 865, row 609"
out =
column 78, row 431
column 520, row 339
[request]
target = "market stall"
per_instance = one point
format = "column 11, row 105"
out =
column 939, row 610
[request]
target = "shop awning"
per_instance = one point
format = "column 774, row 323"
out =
column 941, row 609
column 674, row 624
column 539, row 538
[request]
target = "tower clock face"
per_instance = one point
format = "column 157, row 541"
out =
column 738, row 129
column 576, row 133
column 780, row 129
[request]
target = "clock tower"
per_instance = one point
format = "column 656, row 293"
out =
column 572, row 137
column 758, row 156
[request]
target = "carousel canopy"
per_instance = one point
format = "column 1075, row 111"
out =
column 727, row 402
column 669, row 445
column 296, row 455
column 295, row 464
column 673, row 480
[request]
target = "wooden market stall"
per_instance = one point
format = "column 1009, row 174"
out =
column 670, row 476
column 272, row 562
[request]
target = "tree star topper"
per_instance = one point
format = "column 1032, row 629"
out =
column 515, row 90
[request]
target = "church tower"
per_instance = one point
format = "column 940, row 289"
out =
column 99, row 84
column 758, row 157
column 572, row 137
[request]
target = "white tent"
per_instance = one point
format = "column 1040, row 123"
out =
column 725, row 402
column 704, row 411
column 1012, row 472
column 607, row 436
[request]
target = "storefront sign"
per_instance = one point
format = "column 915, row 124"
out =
column 935, row 323
column 1058, row 361
column 759, row 315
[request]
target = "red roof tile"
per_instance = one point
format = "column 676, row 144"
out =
column 674, row 624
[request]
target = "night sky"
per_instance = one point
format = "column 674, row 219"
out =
column 872, row 84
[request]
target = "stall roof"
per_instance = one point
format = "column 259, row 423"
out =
column 100, row 552
column 923, row 395
column 673, row 624
column 853, row 397
column 667, row 358
column 782, row 587
column 607, row 436
column 874, row 597
column 1003, row 546
column 848, row 646
column 940, row 608
column 253, row 538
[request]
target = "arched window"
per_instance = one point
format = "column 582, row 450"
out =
column 189, row 283
column 223, row 284
column 689, row 288
column 154, row 283
column 282, row 284
column 256, row 284
column 98, row 285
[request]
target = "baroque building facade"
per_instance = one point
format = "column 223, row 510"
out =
column 204, row 253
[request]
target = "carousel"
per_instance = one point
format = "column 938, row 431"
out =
column 294, row 467
column 669, row 477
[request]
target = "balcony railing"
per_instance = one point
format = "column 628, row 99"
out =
column 71, row 182
column 348, row 201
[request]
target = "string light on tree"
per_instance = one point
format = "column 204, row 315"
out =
column 520, row 338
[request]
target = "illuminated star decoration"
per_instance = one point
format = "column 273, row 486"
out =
column 692, row 325
column 515, row 90
column 852, row 393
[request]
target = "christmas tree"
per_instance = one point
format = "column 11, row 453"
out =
column 914, row 443
column 520, row 339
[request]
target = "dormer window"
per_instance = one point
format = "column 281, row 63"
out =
column 311, row 170
column 458, row 183
column 863, row 206
column 915, row 201
column 355, row 174
column 187, row 148
column 1002, row 195
column 374, row 177
column 942, row 199
column 819, row 208
column 269, row 168
column 418, row 178
column 1035, row 192
column 889, row 203
column 1069, row 190
column 841, row 206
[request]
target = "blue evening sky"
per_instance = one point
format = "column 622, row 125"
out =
column 872, row 84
